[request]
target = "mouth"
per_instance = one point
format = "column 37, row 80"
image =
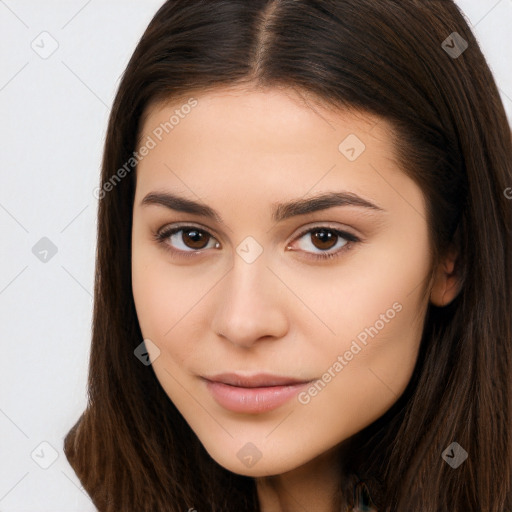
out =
column 253, row 394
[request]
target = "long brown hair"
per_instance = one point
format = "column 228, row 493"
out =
column 131, row 448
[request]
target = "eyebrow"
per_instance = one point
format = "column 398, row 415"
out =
column 280, row 211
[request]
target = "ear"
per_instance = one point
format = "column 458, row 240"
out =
column 446, row 285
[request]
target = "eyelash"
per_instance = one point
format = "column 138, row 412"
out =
column 162, row 235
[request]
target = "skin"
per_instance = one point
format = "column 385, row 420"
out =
column 240, row 151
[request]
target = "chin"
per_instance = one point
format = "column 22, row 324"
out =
column 247, row 461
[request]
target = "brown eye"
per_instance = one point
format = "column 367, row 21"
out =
column 324, row 239
column 319, row 242
column 194, row 238
column 186, row 239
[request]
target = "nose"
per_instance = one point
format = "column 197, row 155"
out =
column 251, row 304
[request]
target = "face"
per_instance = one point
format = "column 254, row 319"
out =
column 239, row 267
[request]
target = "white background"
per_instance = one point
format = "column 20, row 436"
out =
column 54, row 114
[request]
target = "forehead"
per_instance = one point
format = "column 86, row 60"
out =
column 277, row 121
column 255, row 112
column 267, row 143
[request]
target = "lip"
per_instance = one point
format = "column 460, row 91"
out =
column 258, row 380
column 253, row 394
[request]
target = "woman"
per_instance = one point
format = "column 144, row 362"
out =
column 303, row 286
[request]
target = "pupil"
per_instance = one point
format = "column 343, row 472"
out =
column 196, row 237
column 324, row 236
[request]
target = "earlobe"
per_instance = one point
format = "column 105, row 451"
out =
column 446, row 284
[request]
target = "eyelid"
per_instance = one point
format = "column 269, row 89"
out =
column 168, row 230
column 180, row 225
column 299, row 231
column 329, row 254
column 327, row 225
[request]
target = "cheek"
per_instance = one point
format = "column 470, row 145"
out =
column 148, row 292
column 166, row 298
column 365, row 374
column 380, row 356
column 155, row 292
column 377, row 312
column 391, row 271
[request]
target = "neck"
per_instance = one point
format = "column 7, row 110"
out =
column 311, row 486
